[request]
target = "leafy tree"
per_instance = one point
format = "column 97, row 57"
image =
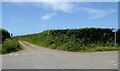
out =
column 5, row 35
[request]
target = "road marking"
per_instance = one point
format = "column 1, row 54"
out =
column 16, row 54
column 10, row 54
column 115, row 64
column 112, row 61
column 13, row 54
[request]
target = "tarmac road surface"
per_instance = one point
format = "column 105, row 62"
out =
column 36, row 57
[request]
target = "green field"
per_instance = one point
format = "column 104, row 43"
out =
column 76, row 40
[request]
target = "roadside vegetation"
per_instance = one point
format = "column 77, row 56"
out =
column 4, row 35
column 76, row 40
column 8, row 44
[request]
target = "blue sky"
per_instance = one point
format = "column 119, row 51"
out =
column 21, row 18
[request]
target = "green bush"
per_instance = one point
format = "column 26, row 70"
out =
column 53, row 46
column 10, row 46
column 5, row 35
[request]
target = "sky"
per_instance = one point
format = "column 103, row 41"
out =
column 21, row 18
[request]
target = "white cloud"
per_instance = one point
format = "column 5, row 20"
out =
column 68, row 7
column 59, row 6
column 97, row 13
column 48, row 16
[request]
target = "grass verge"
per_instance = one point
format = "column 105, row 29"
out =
column 76, row 48
column 10, row 45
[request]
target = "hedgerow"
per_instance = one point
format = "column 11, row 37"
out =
column 83, row 39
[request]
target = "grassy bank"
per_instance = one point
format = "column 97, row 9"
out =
column 9, row 46
column 85, row 39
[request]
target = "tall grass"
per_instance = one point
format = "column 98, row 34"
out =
column 10, row 45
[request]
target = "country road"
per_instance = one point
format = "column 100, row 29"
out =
column 36, row 57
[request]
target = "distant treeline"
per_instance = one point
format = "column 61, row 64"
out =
column 73, row 39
